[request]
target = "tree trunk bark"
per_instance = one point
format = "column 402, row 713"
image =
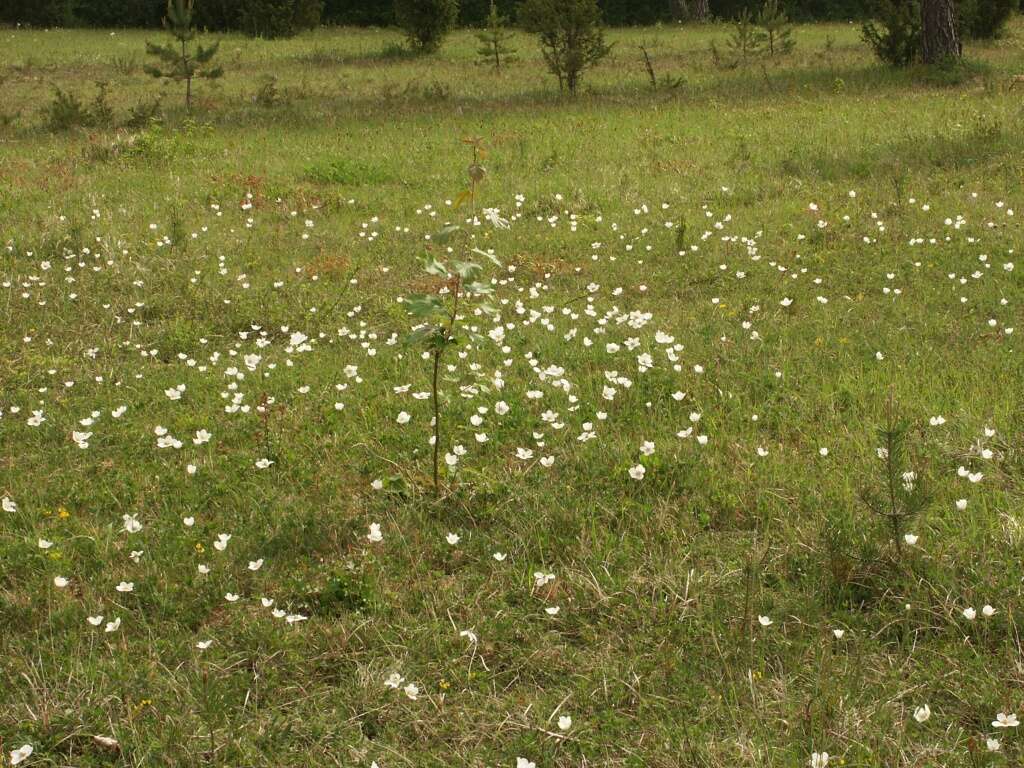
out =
column 701, row 11
column 939, row 39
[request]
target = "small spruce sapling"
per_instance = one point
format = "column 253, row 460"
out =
column 904, row 495
column 494, row 48
column 176, row 61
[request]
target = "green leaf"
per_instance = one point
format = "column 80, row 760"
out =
column 445, row 234
column 434, row 267
column 489, row 256
column 424, row 305
column 466, row 269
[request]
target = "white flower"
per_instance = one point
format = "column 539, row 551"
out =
column 8, row 505
column 113, row 626
column 499, row 556
column 453, row 538
column 222, row 541
column 1004, row 720
column 564, row 723
column 522, row 762
column 970, row 614
column 45, row 544
column 131, row 524
column 988, row 611
column 263, row 463
column 838, row 633
column 819, row 759
column 638, row 472
column 961, row 505
column 764, row 621
column 21, row 754
column 493, row 215
column 403, row 418
column 125, row 586
column 60, row 582
column 255, row 565
column 394, row 680
column 910, row 538
column 412, row 691
column 375, row 535
column 469, row 635
column 202, row 645
column 231, row 597
column 922, row 713
column 95, row 620
column 993, row 745
column 552, row 610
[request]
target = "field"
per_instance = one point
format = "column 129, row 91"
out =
column 658, row 539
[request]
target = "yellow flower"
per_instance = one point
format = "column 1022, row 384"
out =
column 63, row 513
column 200, row 548
column 445, row 685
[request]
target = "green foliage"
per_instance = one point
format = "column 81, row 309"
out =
column 902, row 495
column 746, row 40
column 68, row 111
column 176, row 61
column 494, row 48
column 894, row 34
column 778, row 32
column 571, row 37
column 984, row 19
column 278, row 18
column 426, row 22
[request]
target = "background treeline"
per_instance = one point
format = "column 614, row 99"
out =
column 272, row 18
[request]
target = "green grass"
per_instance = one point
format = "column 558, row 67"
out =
column 140, row 258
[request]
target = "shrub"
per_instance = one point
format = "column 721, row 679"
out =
column 67, row 111
column 894, row 33
column 426, row 22
column 278, row 18
column 984, row 19
column 571, row 38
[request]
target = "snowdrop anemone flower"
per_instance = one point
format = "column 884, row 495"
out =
column 910, row 538
column 922, row 713
column 819, row 759
column 412, row 691
column 60, row 582
column 1004, row 720
column 638, row 472
column 764, row 621
column 394, row 680
column 8, row 505
column 493, row 215
column 564, row 723
column 993, row 745
column 375, row 536
column 522, row 762
column 21, row 754
column 969, row 614
column 988, row 611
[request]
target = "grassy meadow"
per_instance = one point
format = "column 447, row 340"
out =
column 655, row 543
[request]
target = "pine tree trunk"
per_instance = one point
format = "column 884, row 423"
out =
column 939, row 38
column 701, row 10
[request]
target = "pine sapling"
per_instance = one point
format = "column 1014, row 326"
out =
column 176, row 60
column 494, row 48
column 903, row 495
column 778, row 32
